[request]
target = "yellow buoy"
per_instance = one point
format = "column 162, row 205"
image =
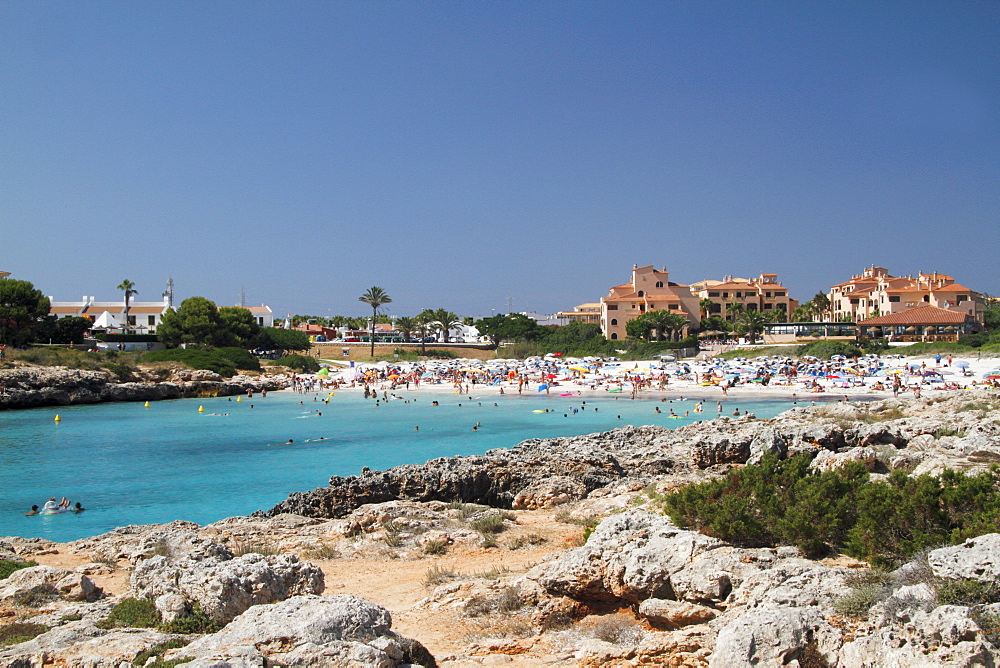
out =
column 331, row 394
column 58, row 419
column 146, row 404
column 239, row 399
column 201, row 409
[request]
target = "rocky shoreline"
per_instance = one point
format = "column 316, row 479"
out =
column 538, row 473
column 638, row 591
column 35, row 387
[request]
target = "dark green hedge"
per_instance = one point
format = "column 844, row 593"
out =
column 784, row 502
column 223, row 361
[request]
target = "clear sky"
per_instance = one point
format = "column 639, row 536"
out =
column 460, row 153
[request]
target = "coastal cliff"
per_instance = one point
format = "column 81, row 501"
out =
column 33, row 387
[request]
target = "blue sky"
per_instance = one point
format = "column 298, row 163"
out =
column 457, row 154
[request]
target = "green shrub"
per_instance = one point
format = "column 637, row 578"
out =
column 867, row 589
column 300, row 363
column 488, row 524
column 209, row 360
column 8, row 566
column 132, row 613
column 435, row 547
column 989, row 623
column 240, row 357
column 156, row 651
column 436, row 574
column 967, row 592
column 786, row 503
column 18, row 632
column 196, row 622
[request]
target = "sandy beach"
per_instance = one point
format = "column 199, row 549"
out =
column 919, row 376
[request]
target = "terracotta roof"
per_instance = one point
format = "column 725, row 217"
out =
column 98, row 309
column 952, row 287
column 66, row 309
column 922, row 315
column 258, row 309
column 146, row 309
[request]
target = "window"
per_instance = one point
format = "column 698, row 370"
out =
column 962, row 298
column 725, row 295
column 854, row 301
column 614, row 336
column 767, row 294
column 715, row 308
column 614, row 322
column 151, row 320
column 779, row 294
column 713, row 294
column 927, row 298
column 659, row 284
column 641, row 293
column 893, row 299
column 131, row 320
column 768, row 306
column 739, row 295
column 612, row 307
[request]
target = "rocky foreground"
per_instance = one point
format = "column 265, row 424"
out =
column 638, row 591
column 34, row 387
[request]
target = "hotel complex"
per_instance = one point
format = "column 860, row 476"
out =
column 872, row 304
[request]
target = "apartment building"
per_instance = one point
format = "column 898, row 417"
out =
column 875, row 293
column 730, row 296
column 649, row 290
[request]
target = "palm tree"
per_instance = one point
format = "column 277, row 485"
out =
column 375, row 297
column 821, row 305
column 445, row 321
column 665, row 323
column 128, row 287
column 424, row 320
column 752, row 322
column 406, row 326
column 706, row 307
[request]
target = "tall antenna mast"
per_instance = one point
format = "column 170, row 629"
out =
column 510, row 303
column 243, row 297
column 169, row 293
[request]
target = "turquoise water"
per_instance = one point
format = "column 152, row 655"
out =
column 128, row 464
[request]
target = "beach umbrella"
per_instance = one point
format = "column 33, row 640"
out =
column 962, row 364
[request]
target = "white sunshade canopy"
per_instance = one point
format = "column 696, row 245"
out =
column 105, row 321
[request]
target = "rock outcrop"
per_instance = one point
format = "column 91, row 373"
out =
column 32, row 387
column 340, row 630
column 224, row 589
column 944, row 433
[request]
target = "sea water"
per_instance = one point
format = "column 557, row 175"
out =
column 130, row 464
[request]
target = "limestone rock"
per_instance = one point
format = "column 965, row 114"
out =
column 226, row 589
column 549, row 492
column 945, row 636
column 629, row 557
column 341, row 630
column 669, row 613
column 977, row 559
column 774, row 637
column 29, row 586
column 712, row 575
column 81, row 645
column 832, row 461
